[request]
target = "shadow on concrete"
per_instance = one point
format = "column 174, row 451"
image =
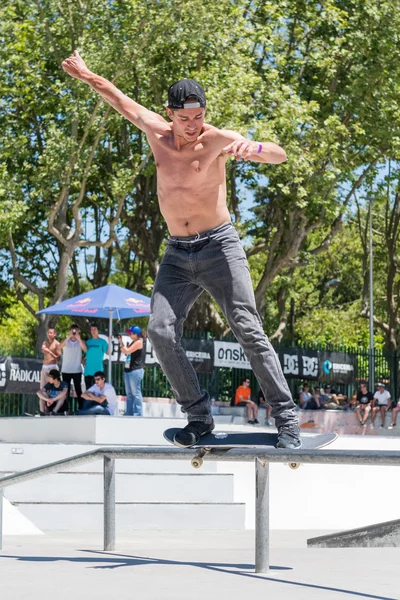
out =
column 113, row 560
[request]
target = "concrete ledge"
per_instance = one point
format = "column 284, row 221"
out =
column 132, row 431
column 381, row 535
column 86, row 430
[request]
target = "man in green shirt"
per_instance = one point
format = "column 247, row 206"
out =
column 96, row 347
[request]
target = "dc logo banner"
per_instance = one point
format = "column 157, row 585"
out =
column 290, row 364
column 297, row 363
column 310, row 366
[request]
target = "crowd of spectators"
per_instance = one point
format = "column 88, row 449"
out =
column 369, row 408
column 78, row 362
column 366, row 404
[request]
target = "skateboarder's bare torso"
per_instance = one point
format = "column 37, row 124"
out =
column 190, row 155
column 191, row 180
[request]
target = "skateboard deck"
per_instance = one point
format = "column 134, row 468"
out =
column 240, row 439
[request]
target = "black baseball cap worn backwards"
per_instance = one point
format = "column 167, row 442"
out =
column 181, row 90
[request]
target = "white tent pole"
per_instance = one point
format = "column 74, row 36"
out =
column 110, row 345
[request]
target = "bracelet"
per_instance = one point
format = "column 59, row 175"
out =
column 259, row 149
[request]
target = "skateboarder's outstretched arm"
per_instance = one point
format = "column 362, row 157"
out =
column 144, row 119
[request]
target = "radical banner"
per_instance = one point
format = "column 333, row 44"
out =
column 20, row 375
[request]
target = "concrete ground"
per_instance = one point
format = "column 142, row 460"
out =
column 182, row 565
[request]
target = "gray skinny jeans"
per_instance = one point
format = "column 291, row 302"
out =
column 216, row 262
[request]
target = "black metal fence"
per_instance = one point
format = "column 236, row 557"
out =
column 221, row 383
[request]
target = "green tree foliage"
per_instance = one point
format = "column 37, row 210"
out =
column 77, row 181
column 330, row 74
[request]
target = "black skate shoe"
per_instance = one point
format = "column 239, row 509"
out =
column 191, row 434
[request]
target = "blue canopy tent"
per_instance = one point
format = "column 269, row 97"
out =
column 108, row 302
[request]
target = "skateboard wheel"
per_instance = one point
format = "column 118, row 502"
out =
column 196, row 462
column 294, row 465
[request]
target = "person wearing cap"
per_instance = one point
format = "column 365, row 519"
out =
column 204, row 251
column 53, row 395
column 96, row 348
column 133, row 370
column 330, row 399
column 382, row 403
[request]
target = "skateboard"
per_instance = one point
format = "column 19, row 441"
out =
column 239, row 439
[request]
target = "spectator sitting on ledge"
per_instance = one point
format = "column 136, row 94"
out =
column 330, row 399
column 53, row 395
column 382, row 403
column 243, row 398
column 261, row 400
column 315, row 402
column 394, row 415
column 305, row 396
column 364, row 404
column 100, row 399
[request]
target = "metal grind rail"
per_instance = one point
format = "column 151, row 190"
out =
column 260, row 458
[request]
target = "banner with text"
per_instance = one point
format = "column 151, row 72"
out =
column 297, row 363
column 20, row 375
column 330, row 367
column 230, row 354
column 199, row 352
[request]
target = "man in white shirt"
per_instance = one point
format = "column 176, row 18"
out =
column 100, row 399
column 382, row 403
column 71, row 367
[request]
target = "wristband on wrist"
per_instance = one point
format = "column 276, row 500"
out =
column 259, row 149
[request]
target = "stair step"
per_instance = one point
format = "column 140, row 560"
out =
column 130, row 487
column 20, row 457
column 88, row 516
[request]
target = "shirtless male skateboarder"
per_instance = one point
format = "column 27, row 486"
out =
column 204, row 251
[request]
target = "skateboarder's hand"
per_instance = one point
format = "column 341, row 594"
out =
column 75, row 66
column 242, row 149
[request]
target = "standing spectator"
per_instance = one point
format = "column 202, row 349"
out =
column 394, row 415
column 243, row 398
column 261, row 400
column 364, row 403
column 100, row 398
column 53, row 395
column 52, row 353
column 96, row 348
column 381, row 404
column 305, row 396
column 133, row 371
column 71, row 367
